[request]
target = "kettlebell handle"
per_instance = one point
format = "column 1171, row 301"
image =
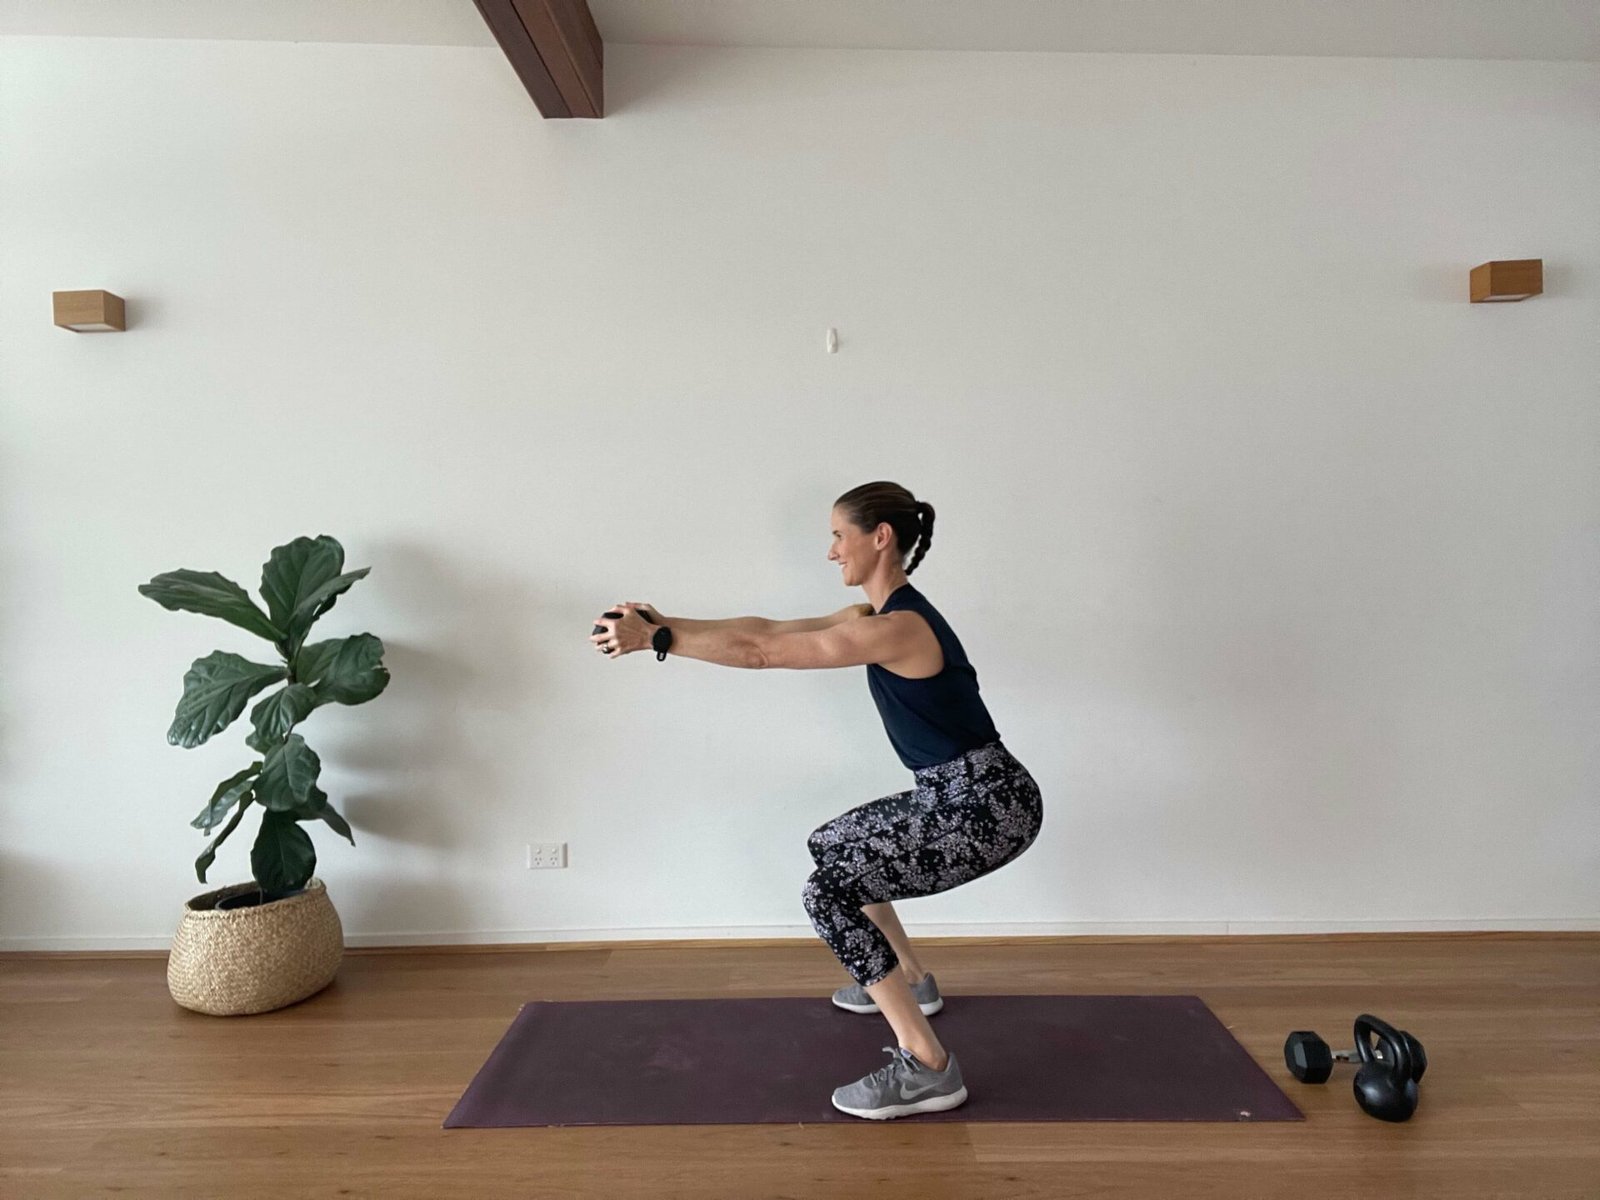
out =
column 1396, row 1054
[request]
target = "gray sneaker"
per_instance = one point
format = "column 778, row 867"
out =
column 904, row 1087
column 855, row 997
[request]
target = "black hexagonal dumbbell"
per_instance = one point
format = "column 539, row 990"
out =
column 1311, row 1061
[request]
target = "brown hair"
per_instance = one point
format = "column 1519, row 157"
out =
column 872, row 504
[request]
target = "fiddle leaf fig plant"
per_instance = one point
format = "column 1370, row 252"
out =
column 300, row 581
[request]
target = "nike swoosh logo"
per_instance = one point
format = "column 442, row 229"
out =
column 907, row 1094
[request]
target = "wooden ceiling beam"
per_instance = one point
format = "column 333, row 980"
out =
column 555, row 48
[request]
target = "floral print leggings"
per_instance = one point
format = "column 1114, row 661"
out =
column 963, row 819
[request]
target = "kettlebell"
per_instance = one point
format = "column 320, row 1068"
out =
column 1384, row 1087
column 612, row 616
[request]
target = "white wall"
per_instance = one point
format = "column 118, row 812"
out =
column 1277, row 558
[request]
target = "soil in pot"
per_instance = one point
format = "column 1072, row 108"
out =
column 256, row 897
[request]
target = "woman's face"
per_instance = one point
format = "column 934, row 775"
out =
column 851, row 548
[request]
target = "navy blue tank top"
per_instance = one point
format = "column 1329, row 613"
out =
column 931, row 721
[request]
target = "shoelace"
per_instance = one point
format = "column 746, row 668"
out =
column 899, row 1059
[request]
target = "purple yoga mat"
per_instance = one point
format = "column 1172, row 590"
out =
column 764, row 1061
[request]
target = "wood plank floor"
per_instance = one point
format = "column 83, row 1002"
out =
column 109, row 1088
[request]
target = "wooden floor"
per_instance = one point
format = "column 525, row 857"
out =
column 109, row 1088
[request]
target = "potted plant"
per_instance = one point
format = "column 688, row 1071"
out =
column 255, row 946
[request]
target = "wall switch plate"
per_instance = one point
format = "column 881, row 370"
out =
column 544, row 855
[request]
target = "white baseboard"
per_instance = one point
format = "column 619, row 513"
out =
column 497, row 937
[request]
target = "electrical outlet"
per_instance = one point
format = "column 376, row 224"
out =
column 543, row 855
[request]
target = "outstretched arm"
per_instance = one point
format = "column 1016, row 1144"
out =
column 882, row 638
column 727, row 646
column 744, row 624
column 766, row 625
column 733, row 642
column 745, row 641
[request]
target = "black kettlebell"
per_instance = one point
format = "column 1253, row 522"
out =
column 1385, row 1087
column 613, row 616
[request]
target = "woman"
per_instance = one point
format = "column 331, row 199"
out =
column 973, row 808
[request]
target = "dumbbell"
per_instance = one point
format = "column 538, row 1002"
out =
column 1311, row 1061
column 612, row 616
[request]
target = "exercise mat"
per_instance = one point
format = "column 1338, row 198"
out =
column 778, row 1060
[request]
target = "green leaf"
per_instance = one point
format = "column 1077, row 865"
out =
column 344, row 670
column 276, row 715
column 336, row 822
column 203, row 863
column 215, row 691
column 288, row 775
column 301, row 581
column 319, row 602
column 296, row 570
column 283, row 856
column 228, row 792
column 212, row 595
column 318, row 809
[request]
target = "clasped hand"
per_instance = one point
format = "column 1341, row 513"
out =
column 624, row 634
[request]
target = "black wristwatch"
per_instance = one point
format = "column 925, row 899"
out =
column 660, row 641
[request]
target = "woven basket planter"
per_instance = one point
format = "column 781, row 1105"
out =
column 229, row 962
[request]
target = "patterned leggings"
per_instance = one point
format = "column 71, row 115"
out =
column 964, row 818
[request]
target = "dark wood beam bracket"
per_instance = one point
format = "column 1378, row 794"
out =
column 555, row 48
